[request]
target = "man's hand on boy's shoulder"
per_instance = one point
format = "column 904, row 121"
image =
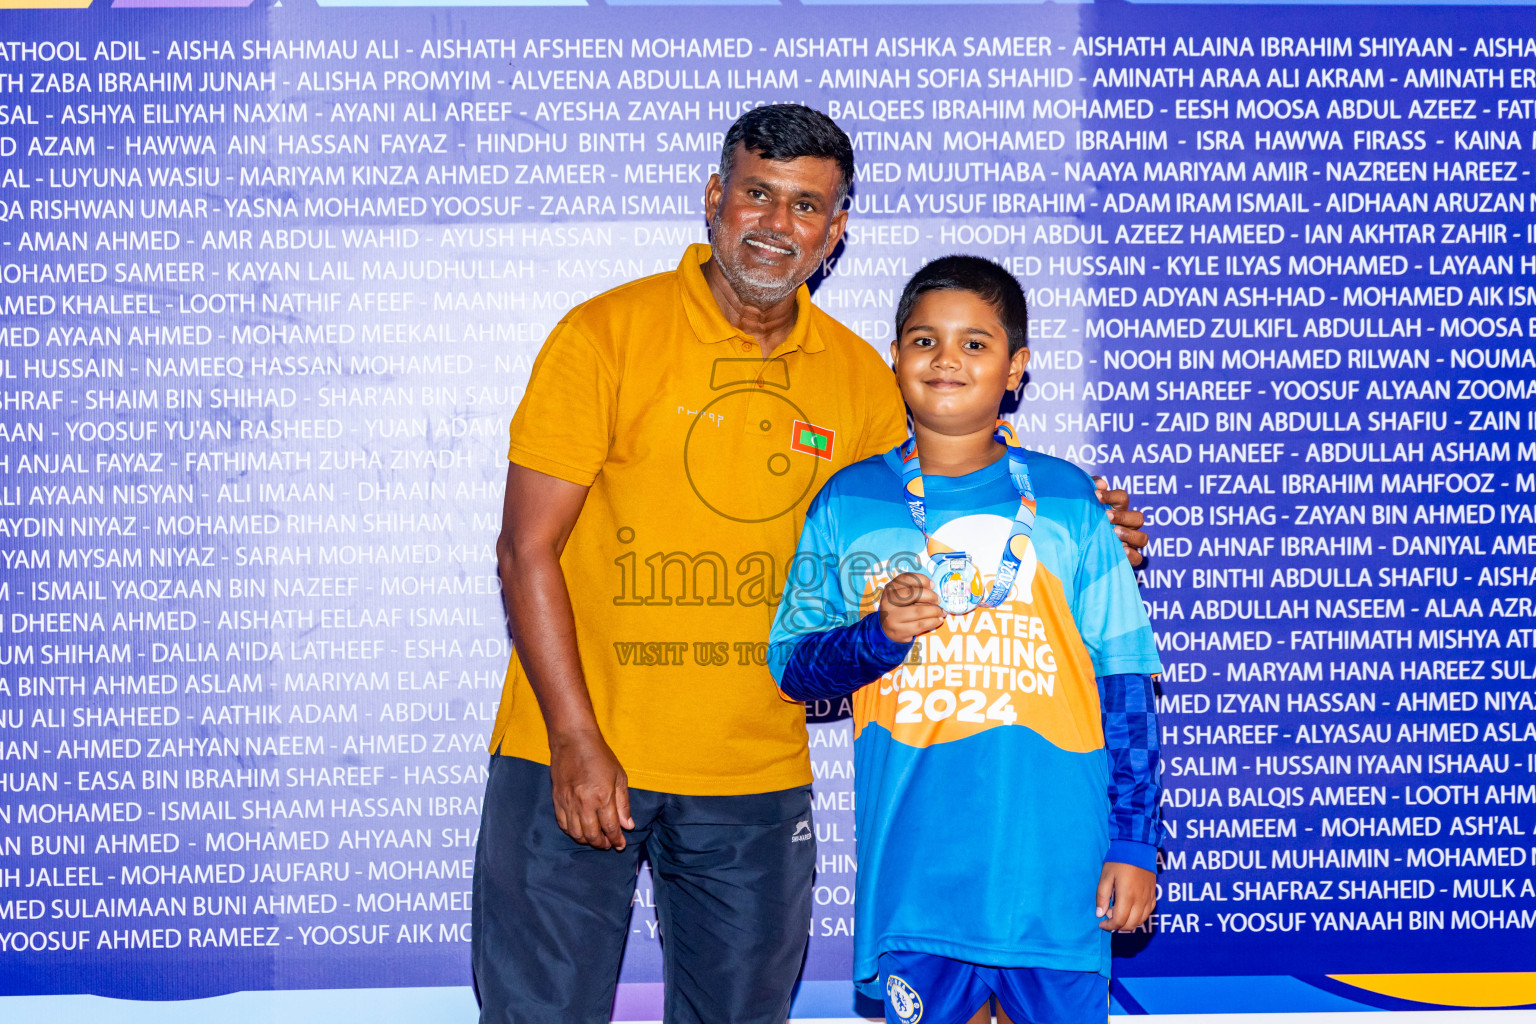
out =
column 1127, row 895
column 1126, row 520
column 909, row 606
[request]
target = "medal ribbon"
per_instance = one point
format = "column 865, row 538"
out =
column 1023, row 519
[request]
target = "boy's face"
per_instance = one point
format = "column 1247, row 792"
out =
column 952, row 362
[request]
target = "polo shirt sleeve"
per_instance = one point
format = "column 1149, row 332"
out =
column 887, row 419
column 564, row 425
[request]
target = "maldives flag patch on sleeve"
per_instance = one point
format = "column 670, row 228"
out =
column 811, row 439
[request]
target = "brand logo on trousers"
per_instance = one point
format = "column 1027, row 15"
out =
column 802, row 831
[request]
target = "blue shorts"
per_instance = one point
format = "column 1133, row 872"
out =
column 937, row 990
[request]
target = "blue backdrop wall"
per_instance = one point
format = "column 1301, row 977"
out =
column 272, row 278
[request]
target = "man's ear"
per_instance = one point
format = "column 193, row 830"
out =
column 1017, row 364
column 836, row 228
column 895, row 346
column 714, row 189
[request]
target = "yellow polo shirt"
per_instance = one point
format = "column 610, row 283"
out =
column 701, row 457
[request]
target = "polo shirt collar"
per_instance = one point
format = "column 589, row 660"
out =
column 710, row 325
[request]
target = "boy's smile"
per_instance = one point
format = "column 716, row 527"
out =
column 952, row 362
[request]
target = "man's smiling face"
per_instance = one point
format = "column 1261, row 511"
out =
column 772, row 222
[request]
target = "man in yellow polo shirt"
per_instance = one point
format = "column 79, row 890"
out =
column 673, row 431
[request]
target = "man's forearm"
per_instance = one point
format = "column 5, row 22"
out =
column 544, row 631
column 588, row 786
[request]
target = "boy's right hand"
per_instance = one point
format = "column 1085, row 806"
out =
column 909, row 606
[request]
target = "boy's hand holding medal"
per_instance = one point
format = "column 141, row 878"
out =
column 909, row 606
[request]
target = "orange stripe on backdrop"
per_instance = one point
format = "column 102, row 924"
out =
column 1479, row 990
column 11, row 5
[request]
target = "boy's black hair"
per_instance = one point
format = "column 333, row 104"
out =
column 787, row 131
column 996, row 287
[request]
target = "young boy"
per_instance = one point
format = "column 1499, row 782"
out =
column 974, row 600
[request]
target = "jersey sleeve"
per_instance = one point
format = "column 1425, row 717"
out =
column 1128, row 706
column 564, row 425
column 1106, row 602
column 1113, row 624
column 820, row 647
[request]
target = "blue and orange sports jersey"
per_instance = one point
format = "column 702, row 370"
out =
column 986, row 800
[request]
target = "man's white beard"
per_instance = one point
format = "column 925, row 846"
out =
column 755, row 289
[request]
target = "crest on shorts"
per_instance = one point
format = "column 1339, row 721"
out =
column 903, row 999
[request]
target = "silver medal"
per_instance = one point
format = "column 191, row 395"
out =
column 956, row 581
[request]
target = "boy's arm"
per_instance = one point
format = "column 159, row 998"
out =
column 835, row 662
column 819, row 648
column 1128, row 708
column 1128, row 884
column 1112, row 622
